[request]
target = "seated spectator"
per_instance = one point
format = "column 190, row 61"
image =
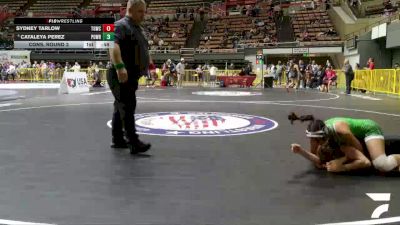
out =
column 257, row 10
column 242, row 72
column 248, row 69
column 161, row 43
column 331, row 32
column 11, row 71
column 244, row 11
column 306, row 37
column 329, row 78
column 266, row 39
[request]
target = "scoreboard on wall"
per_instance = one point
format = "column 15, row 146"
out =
column 64, row 33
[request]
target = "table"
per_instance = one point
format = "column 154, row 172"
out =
column 238, row 80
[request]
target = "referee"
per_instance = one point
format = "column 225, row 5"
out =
column 130, row 59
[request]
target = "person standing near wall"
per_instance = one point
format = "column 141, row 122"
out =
column 180, row 69
column 371, row 64
column 349, row 73
column 130, row 59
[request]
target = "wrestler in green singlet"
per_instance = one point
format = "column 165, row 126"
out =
column 364, row 129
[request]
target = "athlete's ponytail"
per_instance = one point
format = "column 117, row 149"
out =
column 315, row 129
column 292, row 117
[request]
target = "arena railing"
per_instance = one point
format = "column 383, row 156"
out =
column 55, row 75
column 385, row 81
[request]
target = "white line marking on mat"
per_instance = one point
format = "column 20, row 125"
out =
column 55, row 106
column 12, row 222
column 216, row 101
column 365, row 97
column 197, row 101
column 9, row 104
column 30, row 86
column 338, row 108
column 368, row 222
column 96, row 93
column 313, row 100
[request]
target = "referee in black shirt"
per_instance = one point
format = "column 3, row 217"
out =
column 130, row 59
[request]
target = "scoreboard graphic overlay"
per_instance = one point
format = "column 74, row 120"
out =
column 64, row 33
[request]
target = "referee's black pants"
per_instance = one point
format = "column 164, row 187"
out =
column 349, row 79
column 124, row 108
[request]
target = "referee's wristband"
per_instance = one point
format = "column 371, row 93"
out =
column 119, row 66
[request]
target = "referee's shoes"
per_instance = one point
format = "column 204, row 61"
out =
column 135, row 147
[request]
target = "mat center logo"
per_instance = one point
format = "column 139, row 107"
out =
column 201, row 124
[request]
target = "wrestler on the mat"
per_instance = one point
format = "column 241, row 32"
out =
column 345, row 134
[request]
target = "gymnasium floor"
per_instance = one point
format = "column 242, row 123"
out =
column 56, row 166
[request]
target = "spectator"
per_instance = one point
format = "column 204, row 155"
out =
column 180, row 69
column 248, row 69
column 371, row 64
column 292, row 75
column 2, row 72
column 244, row 11
column 266, row 39
column 101, row 65
column 396, row 66
column 96, row 75
column 165, row 72
column 66, row 68
column 279, row 72
column 161, row 43
column 331, row 32
column 302, row 73
column 314, row 68
column 11, row 71
column 76, row 68
column 34, row 65
column 242, row 72
column 312, row 5
column 213, row 75
column 184, row 12
column 316, row 80
column 349, row 73
column 201, row 13
column 173, row 74
column 153, row 73
column 328, row 63
column 327, row 5
column 44, row 69
column 306, row 37
column 200, row 73
column 329, row 79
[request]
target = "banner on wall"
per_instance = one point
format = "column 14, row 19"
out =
column 15, row 56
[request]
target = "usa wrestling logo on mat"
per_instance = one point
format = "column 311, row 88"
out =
column 200, row 124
